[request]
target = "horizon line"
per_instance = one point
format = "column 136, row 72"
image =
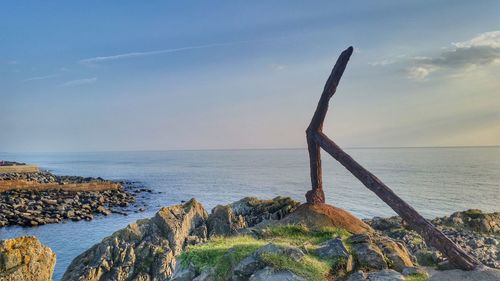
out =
column 240, row 149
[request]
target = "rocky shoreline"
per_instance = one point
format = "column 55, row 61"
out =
column 258, row 240
column 32, row 207
column 476, row 232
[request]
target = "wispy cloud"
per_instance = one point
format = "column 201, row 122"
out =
column 387, row 61
column 12, row 62
column 40, row 77
column 481, row 50
column 78, row 82
column 95, row 60
column 278, row 67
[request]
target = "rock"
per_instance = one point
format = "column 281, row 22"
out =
column 183, row 274
column 207, row 275
column 103, row 211
column 376, row 251
column 318, row 216
column 333, row 248
column 485, row 274
column 414, row 270
column 357, row 276
column 255, row 210
column 473, row 220
column 222, row 221
column 396, row 253
column 254, row 262
column 270, row 274
column 49, row 201
column 367, row 254
column 385, row 275
column 25, row 259
column 247, row 212
column 384, row 224
column 246, row 268
column 144, row 250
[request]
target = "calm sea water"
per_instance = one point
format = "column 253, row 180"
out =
column 436, row 181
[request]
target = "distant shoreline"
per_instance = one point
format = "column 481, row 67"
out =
column 248, row 149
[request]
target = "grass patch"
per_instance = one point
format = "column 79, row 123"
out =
column 425, row 259
column 473, row 213
column 298, row 235
column 417, row 277
column 223, row 253
column 417, row 241
column 309, row 267
column 214, row 254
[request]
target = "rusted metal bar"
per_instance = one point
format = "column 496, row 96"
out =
column 433, row 236
column 316, row 194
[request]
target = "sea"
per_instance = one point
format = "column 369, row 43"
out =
column 435, row 181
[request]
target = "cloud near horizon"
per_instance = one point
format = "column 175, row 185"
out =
column 481, row 50
column 78, row 82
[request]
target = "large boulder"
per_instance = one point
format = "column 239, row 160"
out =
column 223, row 221
column 473, row 220
column 474, row 231
column 144, row 250
column 374, row 251
column 26, row 259
column 255, row 268
column 247, row 212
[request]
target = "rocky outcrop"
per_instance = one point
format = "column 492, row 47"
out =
column 255, row 268
column 473, row 230
column 373, row 251
column 248, row 212
column 472, row 220
column 25, row 259
column 145, row 250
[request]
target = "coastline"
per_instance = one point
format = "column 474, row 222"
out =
column 38, row 198
column 180, row 233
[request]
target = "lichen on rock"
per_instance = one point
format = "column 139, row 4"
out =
column 26, row 259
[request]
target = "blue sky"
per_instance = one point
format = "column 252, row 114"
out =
column 134, row 75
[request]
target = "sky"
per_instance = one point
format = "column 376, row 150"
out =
column 161, row 75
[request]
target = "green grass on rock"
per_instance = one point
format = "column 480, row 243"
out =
column 223, row 253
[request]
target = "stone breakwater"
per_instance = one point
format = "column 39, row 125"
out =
column 44, row 198
column 48, row 181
